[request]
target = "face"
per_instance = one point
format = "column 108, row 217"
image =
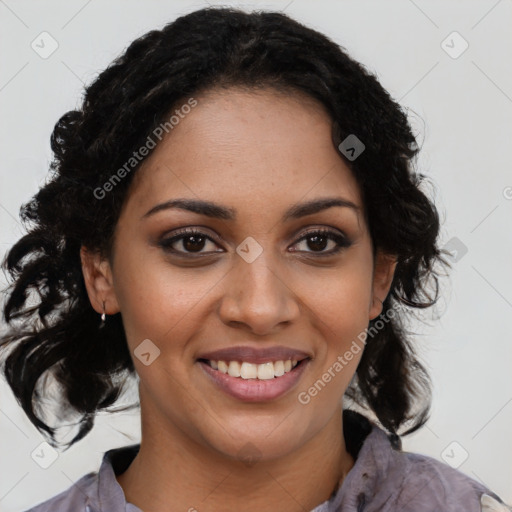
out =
column 274, row 254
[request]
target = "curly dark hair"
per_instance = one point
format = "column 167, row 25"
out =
column 59, row 334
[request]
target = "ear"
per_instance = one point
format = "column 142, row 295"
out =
column 383, row 272
column 98, row 281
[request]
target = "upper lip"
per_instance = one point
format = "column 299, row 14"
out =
column 255, row 355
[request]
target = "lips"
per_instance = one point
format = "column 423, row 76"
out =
column 255, row 390
column 253, row 355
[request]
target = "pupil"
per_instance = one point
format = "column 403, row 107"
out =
column 317, row 242
column 194, row 243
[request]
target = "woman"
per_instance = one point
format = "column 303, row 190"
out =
column 233, row 216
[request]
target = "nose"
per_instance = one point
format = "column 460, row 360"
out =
column 259, row 296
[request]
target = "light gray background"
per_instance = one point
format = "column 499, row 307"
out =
column 460, row 107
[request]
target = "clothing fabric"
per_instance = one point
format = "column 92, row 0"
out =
column 383, row 479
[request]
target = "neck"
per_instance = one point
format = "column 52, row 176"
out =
column 172, row 468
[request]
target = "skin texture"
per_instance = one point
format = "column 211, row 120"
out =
column 259, row 153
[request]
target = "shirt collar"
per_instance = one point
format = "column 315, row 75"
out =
column 370, row 446
column 110, row 496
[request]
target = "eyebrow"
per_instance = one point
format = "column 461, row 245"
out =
column 216, row 211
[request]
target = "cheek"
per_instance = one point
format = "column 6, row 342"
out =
column 339, row 309
column 339, row 299
column 158, row 300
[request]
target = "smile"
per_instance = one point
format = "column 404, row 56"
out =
column 246, row 370
column 254, row 382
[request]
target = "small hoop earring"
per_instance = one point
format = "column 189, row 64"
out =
column 103, row 317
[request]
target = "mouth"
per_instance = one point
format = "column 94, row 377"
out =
column 254, row 382
column 246, row 370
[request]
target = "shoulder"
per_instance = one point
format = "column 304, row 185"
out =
column 422, row 483
column 440, row 487
column 385, row 478
column 97, row 491
column 75, row 498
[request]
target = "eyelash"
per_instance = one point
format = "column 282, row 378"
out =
column 167, row 243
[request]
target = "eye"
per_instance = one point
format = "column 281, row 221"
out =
column 189, row 241
column 321, row 239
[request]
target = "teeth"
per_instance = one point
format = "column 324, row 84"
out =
column 249, row 371
column 234, row 369
column 278, row 368
column 264, row 371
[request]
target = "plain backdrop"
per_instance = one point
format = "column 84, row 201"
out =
column 460, row 104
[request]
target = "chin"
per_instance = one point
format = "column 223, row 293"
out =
column 248, row 444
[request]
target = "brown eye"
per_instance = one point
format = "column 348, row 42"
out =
column 189, row 242
column 193, row 243
column 318, row 241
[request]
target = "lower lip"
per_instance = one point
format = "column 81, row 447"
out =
column 255, row 390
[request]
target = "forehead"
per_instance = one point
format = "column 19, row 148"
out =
column 265, row 146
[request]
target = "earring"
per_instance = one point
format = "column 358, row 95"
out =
column 103, row 316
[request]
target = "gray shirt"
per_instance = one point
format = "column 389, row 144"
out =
column 384, row 478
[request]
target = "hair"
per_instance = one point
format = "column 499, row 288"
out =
column 58, row 335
